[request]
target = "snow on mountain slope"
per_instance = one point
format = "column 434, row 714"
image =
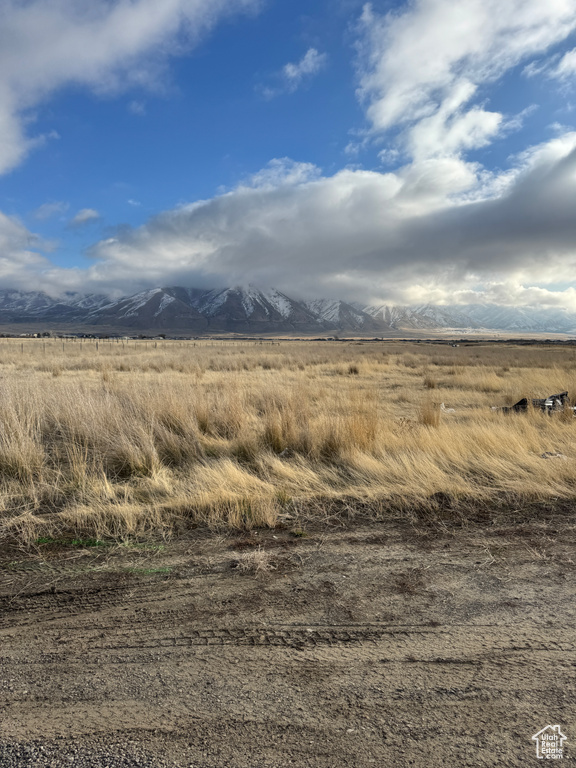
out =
column 134, row 304
column 340, row 314
column 83, row 300
column 251, row 300
column 283, row 305
column 522, row 318
column 165, row 301
column 251, row 308
column 150, row 309
column 326, row 309
column 421, row 317
column 26, row 302
column 489, row 316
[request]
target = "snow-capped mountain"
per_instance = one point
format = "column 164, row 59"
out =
column 16, row 306
column 156, row 308
column 85, row 300
column 476, row 316
column 339, row 314
column 24, row 303
column 522, row 318
column 420, row 317
column 251, row 310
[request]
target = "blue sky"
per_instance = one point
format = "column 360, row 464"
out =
column 392, row 151
column 205, row 126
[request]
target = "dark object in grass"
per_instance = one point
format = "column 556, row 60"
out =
column 547, row 404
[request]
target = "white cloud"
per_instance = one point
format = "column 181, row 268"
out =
column 566, row 67
column 292, row 75
column 48, row 44
column 21, row 264
column 48, row 210
column 453, row 128
column 516, row 122
column 388, row 156
column 558, row 66
column 83, row 217
column 422, row 68
column 137, row 108
column 283, row 171
column 310, row 64
column 538, row 67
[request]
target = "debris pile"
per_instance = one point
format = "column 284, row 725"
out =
column 549, row 404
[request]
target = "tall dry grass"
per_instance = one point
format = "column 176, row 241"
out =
column 123, row 440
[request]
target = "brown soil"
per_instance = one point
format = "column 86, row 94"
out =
column 390, row 645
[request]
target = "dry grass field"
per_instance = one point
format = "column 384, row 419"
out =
column 372, row 581
column 138, row 437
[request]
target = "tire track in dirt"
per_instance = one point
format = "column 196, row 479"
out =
column 334, row 664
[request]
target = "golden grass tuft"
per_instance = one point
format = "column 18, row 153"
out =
column 429, row 414
column 257, row 561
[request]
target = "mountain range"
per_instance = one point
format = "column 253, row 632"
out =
column 251, row 310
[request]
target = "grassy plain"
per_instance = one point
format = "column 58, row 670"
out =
column 132, row 438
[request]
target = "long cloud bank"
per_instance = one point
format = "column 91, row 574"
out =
column 402, row 237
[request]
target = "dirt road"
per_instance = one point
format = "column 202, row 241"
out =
column 381, row 645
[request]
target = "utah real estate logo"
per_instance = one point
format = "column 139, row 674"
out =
column 549, row 743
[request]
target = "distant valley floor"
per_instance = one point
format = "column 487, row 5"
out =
column 402, row 334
